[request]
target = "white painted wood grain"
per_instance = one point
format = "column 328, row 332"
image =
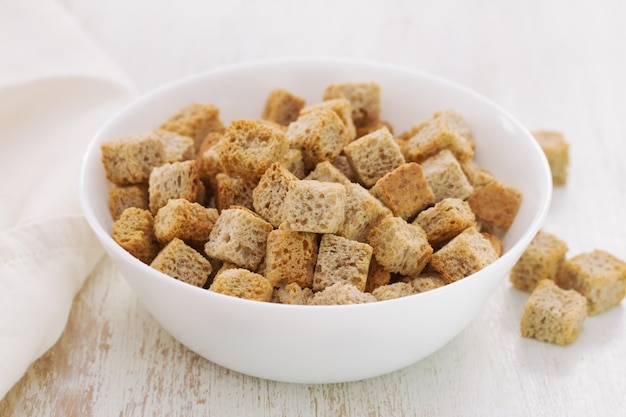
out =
column 554, row 64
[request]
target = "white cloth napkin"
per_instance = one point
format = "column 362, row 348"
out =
column 56, row 90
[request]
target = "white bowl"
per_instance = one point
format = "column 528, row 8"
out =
column 323, row 344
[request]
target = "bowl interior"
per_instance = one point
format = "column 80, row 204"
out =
column 407, row 96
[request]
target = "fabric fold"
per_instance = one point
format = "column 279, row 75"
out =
column 44, row 265
column 57, row 89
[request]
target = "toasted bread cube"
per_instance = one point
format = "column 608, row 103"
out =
column 364, row 97
column 363, row 212
column 425, row 281
column 598, row 275
column 446, row 177
column 542, row 259
column 400, row 247
column 133, row 231
column 445, row 220
column 293, row 161
column 343, row 165
column 404, row 190
column 183, row 262
column 372, row 127
column 494, row 202
column 290, row 257
column 314, row 206
column 282, row 106
column 231, row 191
column 177, row 147
column 269, row 195
column 208, row 160
column 444, row 130
column 377, row 276
column 495, row 241
column 241, row 283
column 556, row 150
column 552, row 314
column 121, row 198
column 326, row 171
column 341, row 260
column 239, row 236
column 373, row 155
column 195, row 121
column 342, row 107
column 293, row 294
column 394, row 290
column 250, row 147
column 320, row 134
column 182, row 219
column 341, row 293
column 173, row 180
column 129, row 160
column 464, row 255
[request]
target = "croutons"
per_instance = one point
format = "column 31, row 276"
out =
column 552, row 314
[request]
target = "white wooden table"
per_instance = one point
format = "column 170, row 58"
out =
column 554, row 64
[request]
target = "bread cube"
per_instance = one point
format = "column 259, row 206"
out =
column 494, row 202
column 326, row 171
column 241, row 283
column 552, row 314
column 121, row 198
column 173, row 180
column 320, row 134
column 341, row 293
column 425, row 281
column 183, row 262
column 343, row 165
column 290, row 257
column 444, row 130
column 293, row 161
column 363, row 212
column 400, row 247
column 239, row 236
column 292, row 294
column 464, row 255
column 282, row 106
column 364, row 98
column 208, row 157
column 377, row 276
column 177, row 147
column 314, row 206
column 341, row 260
column 556, row 150
column 404, row 190
column 495, row 241
column 395, row 290
column 445, row 220
column 231, row 191
column 446, row 177
column 366, row 129
column 250, row 147
column 269, row 195
column 182, row 219
column 373, row 155
column 542, row 259
column 195, row 121
column 342, row 108
column 129, row 160
column 598, row 275
column 133, row 231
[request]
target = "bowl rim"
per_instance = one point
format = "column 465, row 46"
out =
column 91, row 152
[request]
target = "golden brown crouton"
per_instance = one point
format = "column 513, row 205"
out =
column 183, row 262
column 552, row 314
